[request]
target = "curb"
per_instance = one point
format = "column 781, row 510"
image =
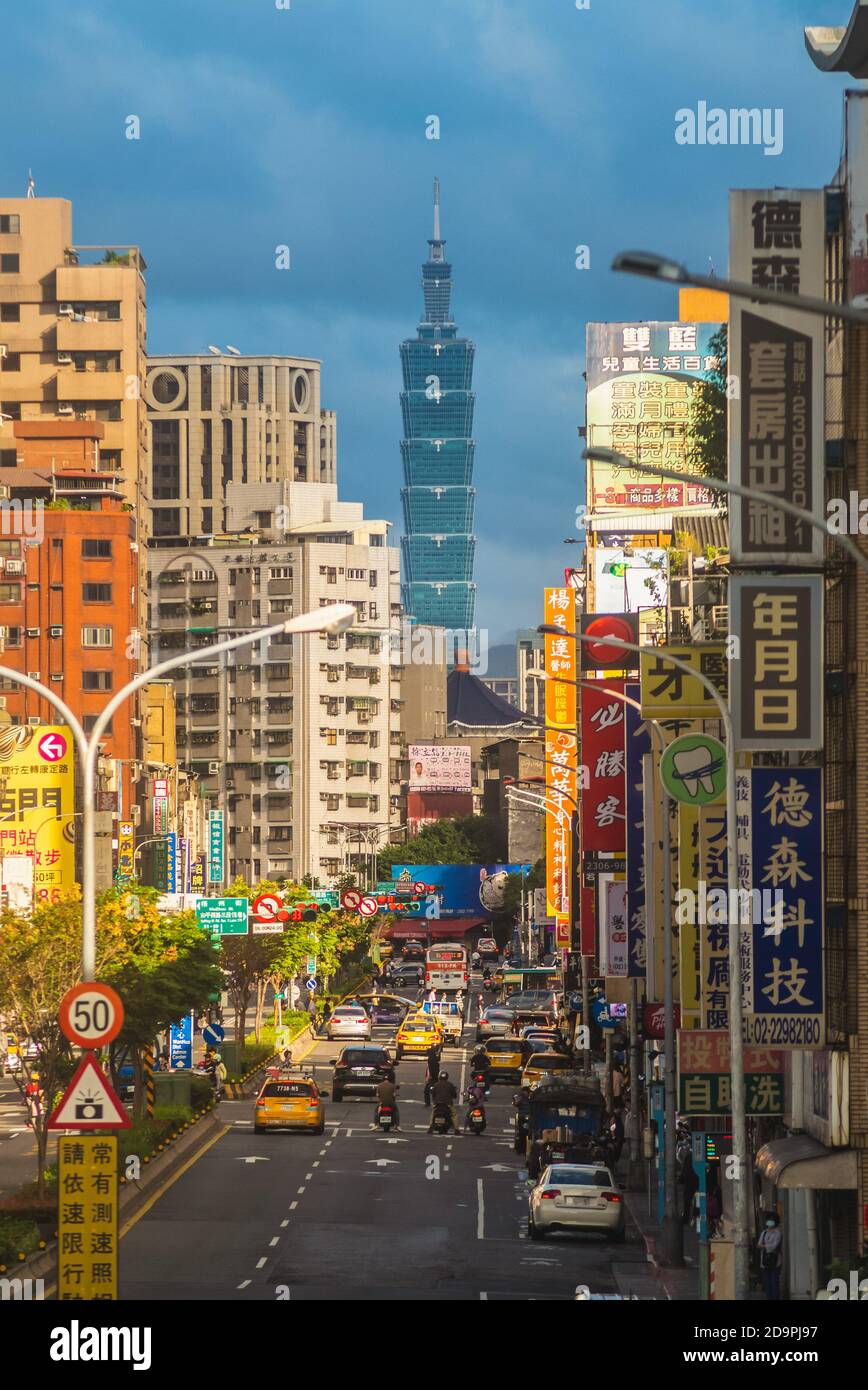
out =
column 132, row 1195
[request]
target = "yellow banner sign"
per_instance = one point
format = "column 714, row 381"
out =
column 37, row 804
column 87, row 1218
column 561, row 745
column 670, row 693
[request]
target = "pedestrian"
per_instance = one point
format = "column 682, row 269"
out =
column 433, row 1070
column 616, row 1132
column 311, row 1009
column 690, row 1179
column 617, row 1081
column 326, row 1014
column 713, row 1204
column 769, row 1247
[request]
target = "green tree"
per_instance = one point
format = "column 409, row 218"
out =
column 707, row 435
column 463, row 840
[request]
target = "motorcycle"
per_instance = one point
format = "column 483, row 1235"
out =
column 475, row 1119
column 441, row 1119
column 480, row 1078
column 386, row 1117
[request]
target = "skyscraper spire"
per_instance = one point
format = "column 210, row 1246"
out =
column 436, row 209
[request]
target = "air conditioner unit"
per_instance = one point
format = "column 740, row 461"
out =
column 64, row 408
column 55, row 632
column 213, row 767
column 14, row 566
column 34, row 675
column 64, row 359
column 135, row 814
column 4, row 490
column 66, row 310
column 56, row 676
column 34, row 631
column 33, row 720
column 4, row 349
column 2, row 701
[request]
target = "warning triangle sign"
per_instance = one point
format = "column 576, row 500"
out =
column 89, row 1101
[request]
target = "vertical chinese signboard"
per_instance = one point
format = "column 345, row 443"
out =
column 37, row 805
column 641, row 377
column 781, row 840
column 613, row 929
column 215, row 847
column 87, row 1217
column 637, row 743
column 561, row 756
column 713, row 918
column 126, row 852
column 777, row 690
column 776, row 428
column 604, row 790
column 689, row 967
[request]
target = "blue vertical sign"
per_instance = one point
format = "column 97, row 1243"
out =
column 215, row 847
column 181, row 1043
column 786, row 848
column 172, row 863
column 637, row 742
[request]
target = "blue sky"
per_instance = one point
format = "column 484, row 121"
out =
column 306, row 126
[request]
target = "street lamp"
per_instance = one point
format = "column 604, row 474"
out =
column 335, row 618
column 656, row 267
column 739, row 1120
column 814, row 519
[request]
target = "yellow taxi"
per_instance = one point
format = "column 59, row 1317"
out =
column 417, row 1034
column 540, row 1064
column 505, row 1058
column 289, row 1102
column 387, row 950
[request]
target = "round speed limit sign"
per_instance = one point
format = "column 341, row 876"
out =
column 91, row 1015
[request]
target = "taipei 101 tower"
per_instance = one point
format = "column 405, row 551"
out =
column 437, row 452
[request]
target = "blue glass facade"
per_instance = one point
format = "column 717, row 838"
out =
column 437, row 455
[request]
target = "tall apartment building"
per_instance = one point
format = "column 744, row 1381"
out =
column 69, row 565
column 437, row 452
column 221, row 420
column 72, row 335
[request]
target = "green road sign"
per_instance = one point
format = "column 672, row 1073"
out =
column 223, row 916
column 693, row 769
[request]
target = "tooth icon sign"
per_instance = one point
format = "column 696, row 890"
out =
column 694, row 767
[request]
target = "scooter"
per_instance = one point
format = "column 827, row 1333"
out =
column 441, row 1119
column 475, row 1119
column 386, row 1118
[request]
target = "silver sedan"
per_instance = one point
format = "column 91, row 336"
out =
column 494, row 1022
column 576, row 1197
column 349, row 1021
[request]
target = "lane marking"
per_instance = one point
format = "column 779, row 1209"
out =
column 243, row 1284
column 480, row 1216
column 308, row 1176
column 275, row 1240
column 200, row 1153
column 483, row 1296
column 263, row 1261
column 285, row 1222
column 300, row 1190
column 293, row 1205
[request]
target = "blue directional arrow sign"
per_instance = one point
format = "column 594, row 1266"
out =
column 213, row 1034
column 311, row 984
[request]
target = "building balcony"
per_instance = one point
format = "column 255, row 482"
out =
column 90, row 386
column 278, row 685
column 282, row 719
column 278, row 587
column 101, row 336
column 205, row 719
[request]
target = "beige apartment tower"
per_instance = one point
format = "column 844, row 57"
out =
column 72, row 336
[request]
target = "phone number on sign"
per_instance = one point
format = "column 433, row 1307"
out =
column 767, row 1030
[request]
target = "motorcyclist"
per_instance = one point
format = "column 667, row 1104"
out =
column 387, row 1094
column 443, row 1093
column 433, row 1061
column 475, row 960
column 475, row 1097
column 479, row 1062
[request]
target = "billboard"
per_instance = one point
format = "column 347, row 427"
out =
column 629, row 582
column 776, row 358
column 436, row 767
column 670, row 693
column 780, row 844
column 777, row 699
column 37, row 805
column 462, row 890
column 641, row 377
column 637, row 743
column 561, row 751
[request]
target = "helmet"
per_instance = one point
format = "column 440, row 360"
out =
column 444, row 1076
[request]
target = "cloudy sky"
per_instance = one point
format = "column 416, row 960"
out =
column 306, row 126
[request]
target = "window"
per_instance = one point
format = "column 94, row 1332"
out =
column 96, row 550
column 10, row 222
column 10, row 593
column 355, row 574
column 12, row 548
column 11, row 362
column 96, row 636
column 97, row 680
column 96, row 593
column 330, row 736
column 10, row 313
column 11, row 408
column 88, row 721
column 9, row 264
column 13, row 636
column 280, row 572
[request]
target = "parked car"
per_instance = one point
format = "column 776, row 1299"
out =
column 349, row 1021
column 361, row 1069
column 576, row 1197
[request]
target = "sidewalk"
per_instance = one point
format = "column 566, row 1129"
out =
column 680, row 1284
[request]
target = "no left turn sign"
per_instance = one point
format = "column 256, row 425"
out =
column 367, row 907
column 91, row 1015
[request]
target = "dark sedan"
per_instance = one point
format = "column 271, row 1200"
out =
column 361, row 1068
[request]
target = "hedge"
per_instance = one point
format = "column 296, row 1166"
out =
column 18, row 1236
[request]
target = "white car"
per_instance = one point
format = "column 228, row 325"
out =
column 487, row 948
column 350, row 1021
column 576, row 1197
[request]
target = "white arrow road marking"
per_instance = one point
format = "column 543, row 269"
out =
column 394, row 1141
column 253, row 1158
column 500, row 1168
column 384, row 1162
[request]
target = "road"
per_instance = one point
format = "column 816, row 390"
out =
column 354, row 1214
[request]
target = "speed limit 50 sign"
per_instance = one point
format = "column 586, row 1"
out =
column 91, row 1015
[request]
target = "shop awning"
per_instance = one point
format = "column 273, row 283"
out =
column 802, row 1161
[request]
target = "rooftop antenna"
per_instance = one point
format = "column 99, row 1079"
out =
column 437, row 210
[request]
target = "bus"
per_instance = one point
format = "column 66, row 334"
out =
column 446, row 966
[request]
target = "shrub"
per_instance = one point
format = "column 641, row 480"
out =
column 17, row 1236
column 143, row 1138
